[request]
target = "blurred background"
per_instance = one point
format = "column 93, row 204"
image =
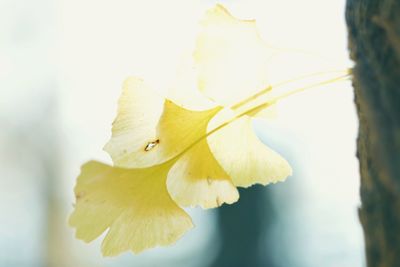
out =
column 62, row 63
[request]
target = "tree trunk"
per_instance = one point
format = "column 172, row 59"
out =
column 374, row 42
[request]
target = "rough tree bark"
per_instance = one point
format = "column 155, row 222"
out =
column 374, row 42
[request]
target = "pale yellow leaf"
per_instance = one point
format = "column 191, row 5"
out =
column 133, row 203
column 197, row 179
column 231, row 58
column 243, row 156
column 139, row 110
column 149, row 130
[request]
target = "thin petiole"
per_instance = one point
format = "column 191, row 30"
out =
column 262, row 106
column 280, row 84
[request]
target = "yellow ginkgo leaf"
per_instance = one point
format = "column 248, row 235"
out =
column 231, row 58
column 179, row 128
column 243, row 156
column 149, row 130
column 133, row 203
column 139, row 110
column 197, row 179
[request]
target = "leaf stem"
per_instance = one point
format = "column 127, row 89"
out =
column 262, row 106
column 280, row 84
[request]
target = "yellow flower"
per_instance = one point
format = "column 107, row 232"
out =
column 166, row 156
